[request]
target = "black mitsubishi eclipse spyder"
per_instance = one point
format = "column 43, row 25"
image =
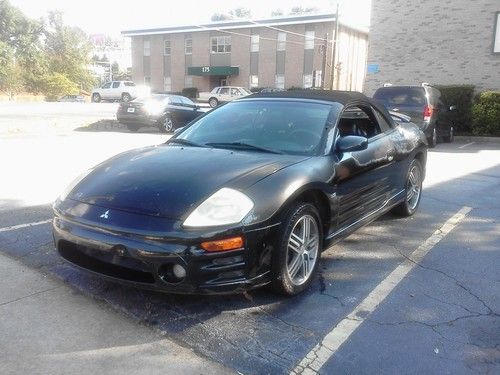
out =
column 247, row 195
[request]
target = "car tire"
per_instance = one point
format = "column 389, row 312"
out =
column 133, row 127
column 126, row 97
column 413, row 190
column 166, row 124
column 213, row 102
column 450, row 137
column 290, row 275
column 433, row 139
column 96, row 98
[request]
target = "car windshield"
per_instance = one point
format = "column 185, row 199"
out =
column 290, row 127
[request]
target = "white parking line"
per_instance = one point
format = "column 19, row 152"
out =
column 322, row 352
column 20, row 226
column 467, row 144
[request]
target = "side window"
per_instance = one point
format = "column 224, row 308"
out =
column 235, row 92
column 107, row 85
column 224, row 91
column 358, row 121
column 186, row 101
column 174, row 100
column 116, row 85
column 383, row 123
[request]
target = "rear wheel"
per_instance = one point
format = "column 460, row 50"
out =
column 133, row 127
column 126, row 97
column 213, row 102
column 413, row 190
column 96, row 98
column 298, row 250
column 451, row 135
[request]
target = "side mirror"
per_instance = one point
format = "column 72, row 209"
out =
column 352, row 143
column 178, row 130
column 453, row 107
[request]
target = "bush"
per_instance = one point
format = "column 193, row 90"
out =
column 190, row 92
column 486, row 114
column 56, row 85
column 460, row 96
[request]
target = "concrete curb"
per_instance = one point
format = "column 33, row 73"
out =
column 466, row 138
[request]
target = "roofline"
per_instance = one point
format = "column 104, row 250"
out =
column 241, row 24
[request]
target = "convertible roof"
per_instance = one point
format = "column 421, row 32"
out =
column 342, row 97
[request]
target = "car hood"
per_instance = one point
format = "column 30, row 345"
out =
column 170, row 180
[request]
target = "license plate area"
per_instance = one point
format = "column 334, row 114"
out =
column 131, row 110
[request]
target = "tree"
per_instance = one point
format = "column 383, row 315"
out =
column 299, row 10
column 68, row 52
column 232, row 14
column 55, row 85
column 277, row 13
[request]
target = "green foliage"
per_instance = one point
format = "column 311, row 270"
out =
column 190, row 92
column 460, row 96
column 486, row 114
column 55, row 85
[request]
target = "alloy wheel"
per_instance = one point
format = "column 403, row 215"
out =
column 414, row 187
column 302, row 250
column 168, row 124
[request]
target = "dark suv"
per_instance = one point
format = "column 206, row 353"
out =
column 425, row 107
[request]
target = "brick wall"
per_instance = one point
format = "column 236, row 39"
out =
column 441, row 42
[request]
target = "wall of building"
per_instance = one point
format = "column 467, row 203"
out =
column 294, row 62
column 440, row 42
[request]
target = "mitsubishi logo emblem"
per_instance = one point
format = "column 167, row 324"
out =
column 105, row 215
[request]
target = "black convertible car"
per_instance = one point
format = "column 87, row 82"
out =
column 167, row 112
column 247, row 195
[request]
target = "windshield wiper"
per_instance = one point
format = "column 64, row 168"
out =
column 185, row 142
column 243, row 145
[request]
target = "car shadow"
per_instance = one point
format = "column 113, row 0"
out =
column 111, row 125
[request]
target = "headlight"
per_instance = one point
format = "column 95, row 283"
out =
column 72, row 185
column 226, row 206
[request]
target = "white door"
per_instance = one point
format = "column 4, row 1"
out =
column 106, row 88
column 224, row 94
column 116, row 90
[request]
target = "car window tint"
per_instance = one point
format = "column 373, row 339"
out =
column 383, row 123
column 401, row 96
column 116, row 85
column 132, row 84
column 358, row 121
column 186, row 101
column 224, row 91
column 287, row 126
column 174, row 100
column 107, row 85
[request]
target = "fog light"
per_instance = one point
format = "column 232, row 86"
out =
column 179, row 271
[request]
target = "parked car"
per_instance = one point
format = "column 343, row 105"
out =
column 271, row 89
column 72, row 99
column 248, row 194
column 124, row 91
column 426, row 107
column 223, row 94
column 167, row 112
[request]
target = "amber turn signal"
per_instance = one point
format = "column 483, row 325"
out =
column 223, row 245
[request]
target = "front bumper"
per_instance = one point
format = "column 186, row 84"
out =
column 146, row 261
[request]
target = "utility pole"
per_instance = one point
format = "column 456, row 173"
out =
column 323, row 63
column 334, row 48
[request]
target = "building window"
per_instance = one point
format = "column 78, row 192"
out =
column 254, row 81
column 147, row 80
column 280, row 81
column 254, row 43
column 307, row 81
column 188, row 46
column 221, row 44
column 496, row 36
column 317, row 78
column 167, row 84
column 309, row 40
column 166, row 47
column 188, row 81
column 281, row 41
column 147, row 47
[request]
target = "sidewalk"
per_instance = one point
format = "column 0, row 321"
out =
column 47, row 328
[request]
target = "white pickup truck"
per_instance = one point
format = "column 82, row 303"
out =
column 223, row 94
column 119, row 90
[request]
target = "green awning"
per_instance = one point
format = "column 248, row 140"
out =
column 213, row 70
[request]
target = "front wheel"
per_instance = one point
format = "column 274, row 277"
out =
column 213, row 102
column 413, row 190
column 167, row 124
column 451, row 135
column 297, row 252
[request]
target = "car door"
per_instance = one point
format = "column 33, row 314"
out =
column 224, row 94
column 104, row 92
column 191, row 110
column 177, row 110
column 365, row 179
column 115, row 91
column 443, row 120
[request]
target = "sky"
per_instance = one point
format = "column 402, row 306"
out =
column 113, row 16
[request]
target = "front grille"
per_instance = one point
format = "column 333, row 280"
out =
column 72, row 253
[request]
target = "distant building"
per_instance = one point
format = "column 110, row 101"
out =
column 440, row 42
column 278, row 52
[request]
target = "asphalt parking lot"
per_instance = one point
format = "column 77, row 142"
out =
column 416, row 295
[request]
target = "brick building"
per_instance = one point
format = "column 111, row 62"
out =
column 277, row 52
column 440, row 42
